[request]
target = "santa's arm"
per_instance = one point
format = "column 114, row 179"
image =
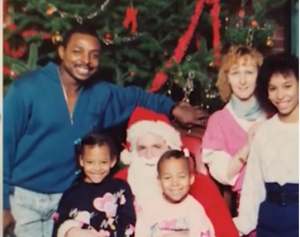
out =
column 206, row 192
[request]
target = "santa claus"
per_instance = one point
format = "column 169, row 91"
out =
column 149, row 135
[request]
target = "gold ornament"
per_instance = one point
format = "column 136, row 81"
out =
column 211, row 64
column 57, row 38
column 269, row 42
column 179, row 74
column 50, row 11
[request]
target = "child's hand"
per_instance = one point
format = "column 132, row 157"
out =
column 251, row 132
column 77, row 232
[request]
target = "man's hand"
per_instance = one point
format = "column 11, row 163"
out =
column 189, row 115
column 8, row 221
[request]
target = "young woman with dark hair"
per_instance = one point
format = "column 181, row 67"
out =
column 270, row 194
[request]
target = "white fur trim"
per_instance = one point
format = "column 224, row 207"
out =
column 66, row 226
column 171, row 136
column 126, row 157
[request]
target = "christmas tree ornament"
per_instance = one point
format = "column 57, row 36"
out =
column 57, row 38
column 9, row 72
column 250, row 37
column 179, row 74
column 12, row 74
column 108, row 36
column 130, row 18
column 188, row 87
column 241, row 13
column 269, row 42
column 131, row 73
column 211, row 64
column 254, row 23
column 50, row 10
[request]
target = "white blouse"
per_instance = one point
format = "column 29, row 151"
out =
column 274, row 157
column 218, row 161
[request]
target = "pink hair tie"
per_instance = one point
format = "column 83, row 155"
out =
column 186, row 152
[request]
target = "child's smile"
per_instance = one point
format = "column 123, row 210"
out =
column 96, row 163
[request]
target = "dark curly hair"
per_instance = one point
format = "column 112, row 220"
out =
column 86, row 28
column 282, row 63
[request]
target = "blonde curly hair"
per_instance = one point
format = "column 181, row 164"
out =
column 230, row 59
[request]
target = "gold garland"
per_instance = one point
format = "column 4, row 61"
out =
column 53, row 9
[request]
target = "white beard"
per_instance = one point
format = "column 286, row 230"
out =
column 142, row 178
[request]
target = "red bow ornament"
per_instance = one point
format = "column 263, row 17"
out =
column 131, row 14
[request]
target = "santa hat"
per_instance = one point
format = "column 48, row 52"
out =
column 144, row 121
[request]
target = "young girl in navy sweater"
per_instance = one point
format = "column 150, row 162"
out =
column 97, row 204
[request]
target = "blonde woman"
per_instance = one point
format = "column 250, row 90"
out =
column 229, row 131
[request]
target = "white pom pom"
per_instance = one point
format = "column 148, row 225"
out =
column 66, row 226
column 126, row 157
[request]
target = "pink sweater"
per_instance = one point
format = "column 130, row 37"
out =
column 223, row 133
column 161, row 218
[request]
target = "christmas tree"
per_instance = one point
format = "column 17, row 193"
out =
column 170, row 47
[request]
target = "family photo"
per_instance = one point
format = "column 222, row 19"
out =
column 150, row 118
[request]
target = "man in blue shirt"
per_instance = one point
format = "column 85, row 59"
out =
column 45, row 111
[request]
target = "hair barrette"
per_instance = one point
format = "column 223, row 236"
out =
column 77, row 141
column 77, row 172
column 186, row 153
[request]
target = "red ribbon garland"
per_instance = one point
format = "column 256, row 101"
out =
column 4, row 11
column 131, row 14
column 183, row 42
column 214, row 13
column 18, row 53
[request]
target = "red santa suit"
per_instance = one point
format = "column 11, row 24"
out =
column 142, row 179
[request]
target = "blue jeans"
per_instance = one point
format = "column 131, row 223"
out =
column 33, row 212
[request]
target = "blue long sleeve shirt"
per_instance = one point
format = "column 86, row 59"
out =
column 39, row 134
